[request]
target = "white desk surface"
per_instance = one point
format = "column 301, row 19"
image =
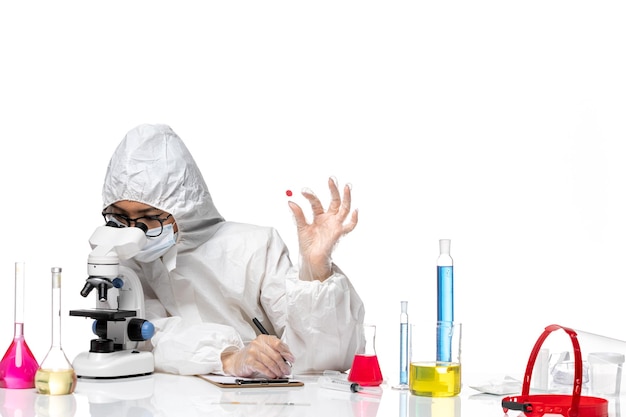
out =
column 165, row 395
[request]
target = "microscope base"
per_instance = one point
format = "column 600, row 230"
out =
column 119, row 364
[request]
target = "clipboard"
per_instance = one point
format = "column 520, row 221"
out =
column 244, row 383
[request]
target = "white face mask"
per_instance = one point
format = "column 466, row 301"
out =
column 157, row 246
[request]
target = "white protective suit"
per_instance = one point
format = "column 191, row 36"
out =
column 203, row 293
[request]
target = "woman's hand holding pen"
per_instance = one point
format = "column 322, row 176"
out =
column 264, row 356
column 318, row 239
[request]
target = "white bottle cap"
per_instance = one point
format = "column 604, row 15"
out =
column 444, row 246
column 403, row 306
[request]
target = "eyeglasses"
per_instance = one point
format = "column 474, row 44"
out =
column 154, row 223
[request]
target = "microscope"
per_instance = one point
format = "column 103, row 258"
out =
column 121, row 331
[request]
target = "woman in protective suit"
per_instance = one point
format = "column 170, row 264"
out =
column 205, row 278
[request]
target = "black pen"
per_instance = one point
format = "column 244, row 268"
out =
column 262, row 329
column 263, row 381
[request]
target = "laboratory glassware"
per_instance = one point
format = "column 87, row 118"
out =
column 605, row 374
column 365, row 367
column 445, row 298
column 404, row 347
column 18, row 366
column 55, row 375
column 428, row 376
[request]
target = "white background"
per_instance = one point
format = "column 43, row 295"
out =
column 499, row 125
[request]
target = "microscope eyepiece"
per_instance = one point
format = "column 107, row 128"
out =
column 111, row 223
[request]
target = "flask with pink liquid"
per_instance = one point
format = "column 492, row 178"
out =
column 18, row 366
column 365, row 367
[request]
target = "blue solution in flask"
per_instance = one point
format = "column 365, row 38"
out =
column 445, row 301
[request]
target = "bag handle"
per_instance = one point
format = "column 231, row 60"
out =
column 578, row 365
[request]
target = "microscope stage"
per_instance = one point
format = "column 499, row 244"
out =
column 104, row 314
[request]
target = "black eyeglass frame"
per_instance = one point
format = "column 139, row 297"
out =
column 127, row 221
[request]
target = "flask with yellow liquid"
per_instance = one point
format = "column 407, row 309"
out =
column 55, row 375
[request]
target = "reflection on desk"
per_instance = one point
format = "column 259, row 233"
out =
column 167, row 395
column 27, row 403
